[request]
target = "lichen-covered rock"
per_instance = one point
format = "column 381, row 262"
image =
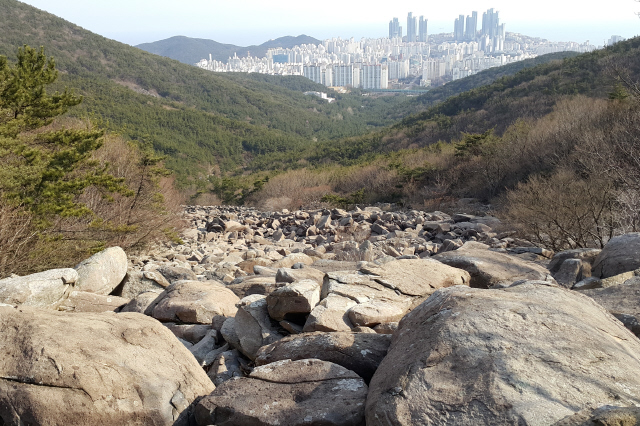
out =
column 292, row 393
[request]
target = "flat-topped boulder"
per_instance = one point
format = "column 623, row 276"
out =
column 416, row 277
column 620, row 300
column 292, row 393
column 95, row 369
column 194, row 302
column 358, row 352
column 44, row 289
column 490, row 269
column 528, row 354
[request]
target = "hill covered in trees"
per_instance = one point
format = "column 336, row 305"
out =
column 191, row 50
column 198, row 118
column 208, row 123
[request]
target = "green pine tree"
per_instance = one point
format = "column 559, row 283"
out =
column 42, row 169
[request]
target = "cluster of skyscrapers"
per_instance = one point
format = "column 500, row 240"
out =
column 401, row 59
column 416, row 29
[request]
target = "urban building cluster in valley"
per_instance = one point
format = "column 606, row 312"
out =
column 409, row 56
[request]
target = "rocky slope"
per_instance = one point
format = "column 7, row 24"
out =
column 327, row 317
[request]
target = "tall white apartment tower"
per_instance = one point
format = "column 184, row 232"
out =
column 422, row 30
column 411, row 28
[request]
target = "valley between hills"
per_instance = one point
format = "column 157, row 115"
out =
column 182, row 247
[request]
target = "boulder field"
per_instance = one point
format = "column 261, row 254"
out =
column 327, row 317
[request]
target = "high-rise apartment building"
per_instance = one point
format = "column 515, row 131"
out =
column 346, row 76
column 422, row 30
column 458, row 28
column 313, row 73
column 490, row 22
column 395, row 30
column 374, row 77
column 412, row 24
column 471, row 31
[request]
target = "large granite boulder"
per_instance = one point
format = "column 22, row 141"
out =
column 358, row 352
column 292, row 393
column 416, row 277
column 621, row 254
column 528, row 354
column 81, row 301
column 44, row 289
column 608, row 415
column 492, row 269
column 252, row 326
column 297, row 298
column 59, row 368
column 286, row 275
column 194, row 302
column 623, row 301
column 138, row 282
column 102, row 272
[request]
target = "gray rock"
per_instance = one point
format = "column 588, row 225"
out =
column 102, row 272
column 44, row 289
column 471, row 356
column 358, row 352
column 141, row 303
column 418, row 277
column 81, row 301
column 489, row 268
column 253, row 326
column 621, row 254
column 59, row 368
column 194, row 302
column 623, row 299
column 371, row 314
column 607, row 415
column 297, row 298
column 292, row 393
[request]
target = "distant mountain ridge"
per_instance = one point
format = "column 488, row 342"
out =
column 191, row 50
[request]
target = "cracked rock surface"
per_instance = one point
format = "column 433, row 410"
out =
column 528, row 354
column 93, row 369
column 304, row 392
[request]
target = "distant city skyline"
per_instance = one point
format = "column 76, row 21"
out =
column 254, row 22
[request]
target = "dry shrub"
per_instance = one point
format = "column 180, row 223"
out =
column 291, row 190
column 206, row 199
column 376, row 180
column 151, row 214
column 563, row 211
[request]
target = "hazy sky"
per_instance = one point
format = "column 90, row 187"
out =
column 246, row 22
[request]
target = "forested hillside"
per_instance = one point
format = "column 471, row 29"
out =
column 212, row 123
column 191, row 50
column 190, row 114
